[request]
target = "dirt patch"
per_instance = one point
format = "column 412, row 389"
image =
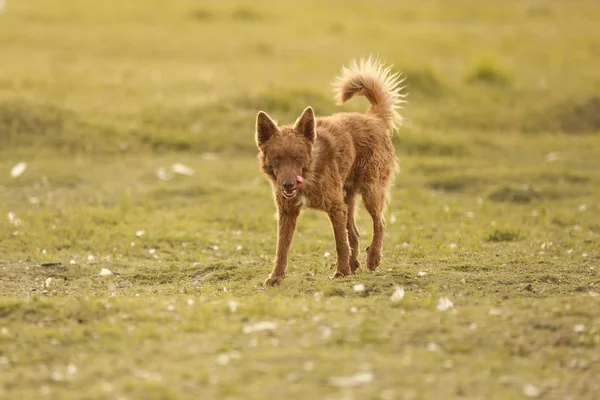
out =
column 504, row 235
column 570, row 116
column 455, row 184
column 523, row 195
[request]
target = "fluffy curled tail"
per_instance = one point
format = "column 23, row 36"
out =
column 372, row 79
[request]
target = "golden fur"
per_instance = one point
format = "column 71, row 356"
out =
column 325, row 162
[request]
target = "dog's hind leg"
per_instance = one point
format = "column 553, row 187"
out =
column 286, row 225
column 374, row 198
column 353, row 235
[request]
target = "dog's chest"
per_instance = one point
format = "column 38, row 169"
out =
column 301, row 201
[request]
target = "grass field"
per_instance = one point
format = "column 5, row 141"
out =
column 493, row 228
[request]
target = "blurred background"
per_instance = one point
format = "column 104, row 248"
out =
column 125, row 76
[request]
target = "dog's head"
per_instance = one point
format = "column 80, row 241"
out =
column 286, row 152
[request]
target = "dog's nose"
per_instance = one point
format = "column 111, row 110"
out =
column 289, row 184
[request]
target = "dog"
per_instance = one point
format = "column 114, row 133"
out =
column 326, row 162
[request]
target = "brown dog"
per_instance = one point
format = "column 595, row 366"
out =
column 323, row 163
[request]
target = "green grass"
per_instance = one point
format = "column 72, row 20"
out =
column 496, row 208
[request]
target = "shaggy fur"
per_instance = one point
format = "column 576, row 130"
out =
column 326, row 162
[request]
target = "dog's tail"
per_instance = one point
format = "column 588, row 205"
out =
column 372, row 79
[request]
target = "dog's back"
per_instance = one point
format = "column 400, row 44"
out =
column 360, row 143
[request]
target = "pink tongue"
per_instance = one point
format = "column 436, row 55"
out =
column 300, row 181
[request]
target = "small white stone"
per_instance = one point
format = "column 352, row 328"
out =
column 259, row 326
column 433, row 347
column 163, row 174
column 326, row 254
column 233, row 306
column 444, row 303
column 182, row 169
column 105, row 272
column 71, row 370
column 238, row 247
column 72, row 262
column 152, row 251
column 190, row 302
column 359, row 287
column 579, row 328
column 12, row 219
column 453, row 246
column 19, row 168
column 357, row 379
column 223, row 359
column 531, row 391
column 494, row 312
column 140, row 233
column 422, row 273
column 48, row 282
column 90, row 258
column 326, row 332
column 393, row 219
column 57, row 376
column 398, row 294
column 308, row 366
column 552, row 156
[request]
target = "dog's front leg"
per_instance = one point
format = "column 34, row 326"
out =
column 286, row 225
column 338, row 218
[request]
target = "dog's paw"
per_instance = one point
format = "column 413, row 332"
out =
column 354, row 265
column 373, row 260
column 341, row 274
column 273, row 281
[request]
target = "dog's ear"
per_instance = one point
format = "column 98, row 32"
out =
column 306, row 124
column 265, row 128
